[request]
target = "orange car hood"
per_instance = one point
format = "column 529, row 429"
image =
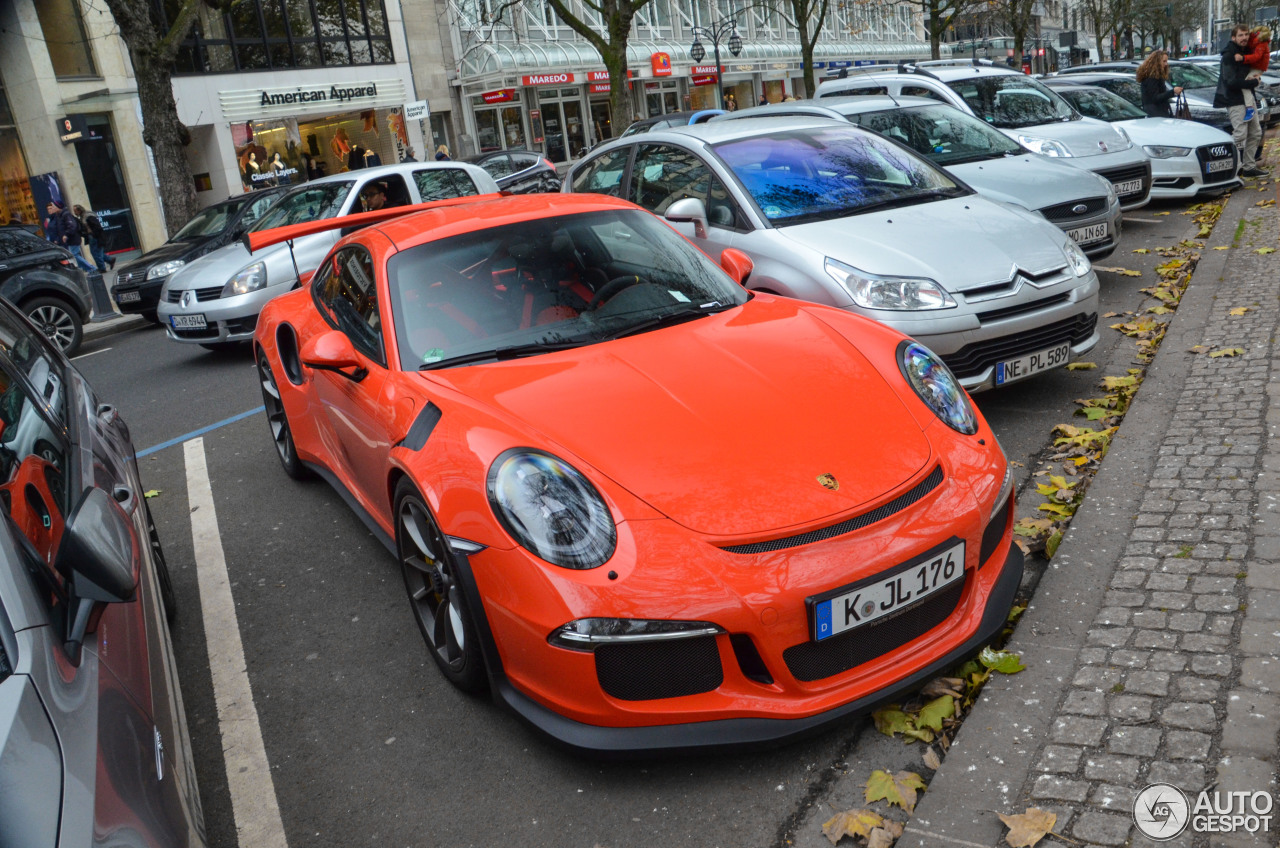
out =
column 724, row 424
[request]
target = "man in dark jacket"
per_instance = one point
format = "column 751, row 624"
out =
column 1235, row 94
column 66, row 230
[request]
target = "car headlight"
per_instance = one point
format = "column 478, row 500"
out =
column 164, row 269
column 937, row 387
column 1112, row 197
column 1128, row 142
column 1006, row 489
column 1079, row 263
column 899, row 293
column 550, row 509
column 250, row 278
column 586, row 633
column 1044, row 146
column 1162, row 151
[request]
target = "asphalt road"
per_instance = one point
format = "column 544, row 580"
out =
column 367, row 743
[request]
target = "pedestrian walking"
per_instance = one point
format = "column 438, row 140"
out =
column 410, row 155
column 94, row 237
column 442, row 154
column 1157, row 93
column 764, row 101
column 67, row 231
column 1235, row 94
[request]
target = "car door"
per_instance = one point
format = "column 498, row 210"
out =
column 663, row 174
column 355, row 402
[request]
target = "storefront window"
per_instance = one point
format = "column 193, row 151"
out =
column 64, row 36
column 290, row 151
column 661, row 98
column 15, row 188
column 284, row 34
column 513, row 126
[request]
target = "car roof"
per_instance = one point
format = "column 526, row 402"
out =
column 715, row 132
column 402, row 168
column 1071, row 79
column 853, row 104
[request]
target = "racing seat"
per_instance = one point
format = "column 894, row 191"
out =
column 550, row 287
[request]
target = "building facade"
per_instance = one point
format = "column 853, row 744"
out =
column 525, row 79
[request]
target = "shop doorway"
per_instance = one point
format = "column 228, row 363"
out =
column 566, row 131
column 104, row 183
column 601, row 120
column 661, row 98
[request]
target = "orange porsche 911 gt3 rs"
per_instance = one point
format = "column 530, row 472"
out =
column 646, row 508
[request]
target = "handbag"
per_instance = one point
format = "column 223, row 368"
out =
column 1180, row 107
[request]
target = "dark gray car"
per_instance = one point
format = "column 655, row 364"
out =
column 42, row 279
column 94, row 748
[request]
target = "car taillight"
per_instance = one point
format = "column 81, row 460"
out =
column 547, row 162
column 67, row 262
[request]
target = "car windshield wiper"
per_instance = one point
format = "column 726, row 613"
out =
column 668, row 319
column 972, row 157
column 503, row 353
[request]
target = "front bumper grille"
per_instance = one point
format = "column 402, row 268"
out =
column 1212, row 153
column 1130, row 172
column 664, row 668
column 202, row 295
column 924, row 487
column 811, row 661
column 1065, row 213
column 971, row 360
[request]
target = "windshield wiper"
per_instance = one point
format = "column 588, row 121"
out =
column 504, row 353
column 669, row 319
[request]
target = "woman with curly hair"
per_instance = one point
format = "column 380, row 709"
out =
column 1153, row 74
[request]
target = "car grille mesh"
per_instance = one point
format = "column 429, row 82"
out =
column 880, row 513
column 971, row 360
column 207, row 293
column 663, row 668
column 811, row 661
column 131, row 278
column 1131, row 172
column 1065, row 212
column 1022, row 308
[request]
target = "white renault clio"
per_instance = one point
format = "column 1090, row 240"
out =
column 1022, row 108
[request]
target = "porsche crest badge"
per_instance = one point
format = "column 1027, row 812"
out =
column 829, row 481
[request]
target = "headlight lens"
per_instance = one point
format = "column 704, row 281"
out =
column 1160, row 151
column 1112, row 197
column 1044, row 146
column 586, row 633
column 250, row 278
column 900, row 293
column 551, row 509
column 1006, row 487
column 937, row 387
column 1079, row 263
column 164, row 269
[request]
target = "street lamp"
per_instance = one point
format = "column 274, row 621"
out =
column 713, row 33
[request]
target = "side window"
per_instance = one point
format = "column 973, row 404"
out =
column 258, row 208
column 921, row 91
column 602, row 175
column 12, row 244
column 521, row 161
column 443, row 183
column 349, row 298
column 498, row 166
column 663, row 174
column 33, row 454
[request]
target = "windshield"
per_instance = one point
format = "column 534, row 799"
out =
column 798, row 176
column 548, row 284
column 1194, row 76
column 210, row 222
column 946, row 136
column 1129, row 89
column 1101, row 104
column 1009, row 102
column 309, row 203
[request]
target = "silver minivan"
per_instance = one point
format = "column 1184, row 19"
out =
column 214, row 301
column 832, row 213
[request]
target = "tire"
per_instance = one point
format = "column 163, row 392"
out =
column 57, row 321
column 436, row 597
column 278, row 420
column 167, row 597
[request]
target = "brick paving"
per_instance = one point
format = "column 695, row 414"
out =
column 1179, row 678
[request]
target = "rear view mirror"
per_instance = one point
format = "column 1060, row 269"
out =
column 689, row 209
column 737, row 265
column 99, row 551
column 332, row 351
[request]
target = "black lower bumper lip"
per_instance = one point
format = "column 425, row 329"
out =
column 732, row 733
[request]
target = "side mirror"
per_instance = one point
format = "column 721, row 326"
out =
column 99, row 550
column 689, row 209
column 737, row 265
column 332, row 351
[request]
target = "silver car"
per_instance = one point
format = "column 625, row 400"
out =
column 1080, row 202
column 1021, row 108
column 214, row 301
column 835, row 214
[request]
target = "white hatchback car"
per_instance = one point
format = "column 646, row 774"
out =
column 214, row 301
column 1023, row 109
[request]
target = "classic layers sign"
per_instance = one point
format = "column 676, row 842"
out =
column 548, row 79
column 298, row 100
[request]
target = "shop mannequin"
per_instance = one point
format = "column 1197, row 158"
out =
column 372, row 159
column 275, row 168
column 251, row 168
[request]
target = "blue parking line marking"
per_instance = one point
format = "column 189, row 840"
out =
column 224, row 422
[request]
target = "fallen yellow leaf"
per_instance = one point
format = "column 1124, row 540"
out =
column 1239, row 310
column 1263, row 251
column 1142, row 250
column 151, row 493
column 1223, row 247
column 1229, row 351
column 1081, row 366
column 899, row 789
column 1158, row 214
column 853, row 823
column 1028, row 828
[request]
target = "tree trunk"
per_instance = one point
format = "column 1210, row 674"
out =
column 807, row 44
column 166, row 136
column 935, row 30
column 620, row 105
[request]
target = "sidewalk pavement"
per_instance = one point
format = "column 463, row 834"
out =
column 1151, row 645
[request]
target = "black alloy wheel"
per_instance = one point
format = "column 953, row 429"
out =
column 439, row 607
column 59, row 323
column 278, row 420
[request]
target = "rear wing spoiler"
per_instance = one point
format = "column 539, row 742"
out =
column 265, row 238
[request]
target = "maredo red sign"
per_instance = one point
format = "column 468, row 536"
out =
column 703, row 70
column 602, row 76
column 661, row 63
column 502, row 95
column 548, row 79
